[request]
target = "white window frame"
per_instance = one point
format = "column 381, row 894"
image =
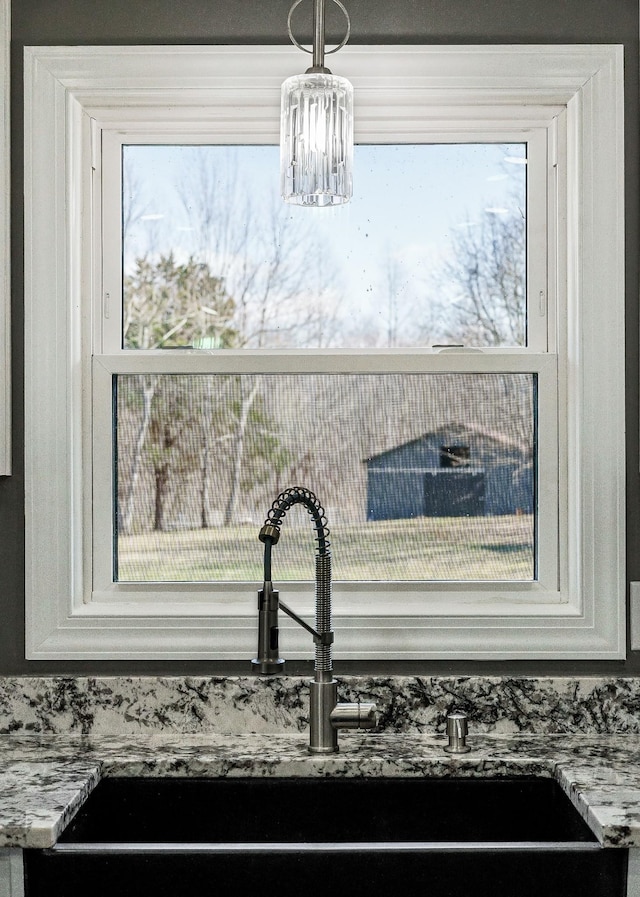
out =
column 110, row 360
column 73, row 94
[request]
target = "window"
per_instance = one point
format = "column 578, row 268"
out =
column 455, row 450
column 211, row 259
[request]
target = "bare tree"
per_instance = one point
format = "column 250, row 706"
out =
column 166, row 305
column 486, row 276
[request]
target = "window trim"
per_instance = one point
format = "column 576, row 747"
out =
column 109, row 357
column 66, row 87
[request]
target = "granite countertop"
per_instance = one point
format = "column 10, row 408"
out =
column 60, row 735
column 45, row 778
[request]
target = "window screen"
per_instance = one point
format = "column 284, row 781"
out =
column 423, row 477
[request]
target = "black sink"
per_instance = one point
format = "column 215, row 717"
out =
column 451, row 837
column 272, row 810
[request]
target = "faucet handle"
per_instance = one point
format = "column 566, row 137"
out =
column 362, row 715
column 457, row 729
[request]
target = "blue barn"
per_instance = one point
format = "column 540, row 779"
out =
column 454, row 471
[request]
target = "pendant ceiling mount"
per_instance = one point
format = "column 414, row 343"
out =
column 319, row 43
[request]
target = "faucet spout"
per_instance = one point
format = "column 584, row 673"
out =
column 326, row 715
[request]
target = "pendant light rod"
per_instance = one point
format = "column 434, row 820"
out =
column 318, row 37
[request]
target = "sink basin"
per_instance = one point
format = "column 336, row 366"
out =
column 448, row 837
column 271, row 810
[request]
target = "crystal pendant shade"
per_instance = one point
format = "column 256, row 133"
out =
column 316, row 140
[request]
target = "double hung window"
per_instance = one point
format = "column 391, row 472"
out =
column 434, row 360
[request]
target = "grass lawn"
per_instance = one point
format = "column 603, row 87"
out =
column 483, row 548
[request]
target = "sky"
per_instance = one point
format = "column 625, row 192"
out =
column 408, row 203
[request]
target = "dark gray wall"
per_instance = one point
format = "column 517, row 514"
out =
column 264, row 21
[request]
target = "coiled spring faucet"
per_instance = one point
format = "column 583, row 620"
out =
column 326, row 715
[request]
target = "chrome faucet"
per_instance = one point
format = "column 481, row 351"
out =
column 326, row 715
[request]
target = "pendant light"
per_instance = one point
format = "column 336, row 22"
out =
column 316, row 126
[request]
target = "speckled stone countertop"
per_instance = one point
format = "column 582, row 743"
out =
column 63, row 735
column 45, row 779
